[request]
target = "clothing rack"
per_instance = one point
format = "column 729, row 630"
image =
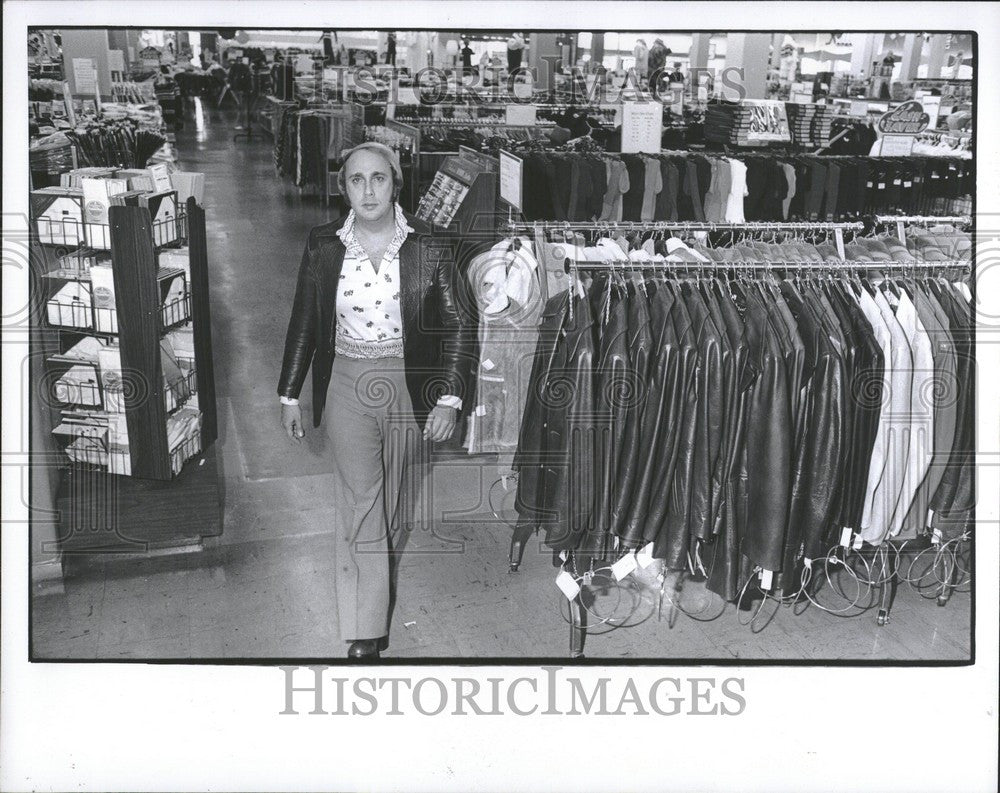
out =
column 666, row 225
column 902, row 220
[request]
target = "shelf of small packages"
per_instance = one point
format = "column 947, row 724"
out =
column 122, row 329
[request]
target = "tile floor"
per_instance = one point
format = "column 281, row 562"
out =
column 264, row 588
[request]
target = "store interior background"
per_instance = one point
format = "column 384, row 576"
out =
column 262, row 586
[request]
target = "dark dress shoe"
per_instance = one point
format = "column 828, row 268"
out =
column 363, row 650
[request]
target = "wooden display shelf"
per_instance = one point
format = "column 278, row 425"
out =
column 100, row 513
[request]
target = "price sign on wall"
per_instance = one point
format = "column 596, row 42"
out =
column 84, row 75
column 511, row 171
column 642, row 127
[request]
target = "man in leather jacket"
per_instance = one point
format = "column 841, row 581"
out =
column 376, row 316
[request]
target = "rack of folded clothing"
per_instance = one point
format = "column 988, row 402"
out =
column 748, row 414
column 690, row 186
column 810, row 124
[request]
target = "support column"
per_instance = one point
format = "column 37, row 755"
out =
column 936, row 55
column 751, row 53
column 597, row 50
column 544, row 55
column 699, row 51
column 863, row 54
column 912, row 45
column 776, row 41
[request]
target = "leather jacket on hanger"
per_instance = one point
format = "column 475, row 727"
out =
column 555, row 455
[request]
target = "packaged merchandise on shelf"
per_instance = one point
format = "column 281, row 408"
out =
column 138, row 179
column 177, row 387
column 188, row 184
column 70, row 307
column 105, row 310
column 78, row 385
column 97, row 195
column 182, row 342
column 75, row 177
column 183, row 436
column 96, row 438
column 176, row 258
column 162, row 208
column 160, row 174
column 175, row 307
column 58, row 213
column 80, row 261
column 112, row 382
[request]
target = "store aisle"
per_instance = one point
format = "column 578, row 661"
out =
column 265, row 587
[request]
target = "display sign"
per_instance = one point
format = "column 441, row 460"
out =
column 642, row 127
column 800, row 98
column 768, row 121
column 897, row 145
column 858, row 108
column 85, row 75
column 932, row 107
column 511, row 179
column 482, row 161
column 522, row 115
column 907, row 119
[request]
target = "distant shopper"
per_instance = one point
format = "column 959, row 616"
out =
column 515, row 49
column 641, row 53
column 657, row 61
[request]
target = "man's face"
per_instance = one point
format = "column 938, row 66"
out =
column 369, row 185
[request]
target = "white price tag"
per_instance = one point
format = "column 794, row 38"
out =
column 845, row 537
column 563, row 556
column 936, row 537
column 858, row 542
column 568, row 585
column 624, row 566
column 881, row 185
column 488, row 365
column 766, row 576
column 645, row 556
column 480, row 410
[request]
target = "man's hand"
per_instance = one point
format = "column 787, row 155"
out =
column 291, row 420
column 440, row 423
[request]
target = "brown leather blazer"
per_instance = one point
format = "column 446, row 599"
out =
column 437, row 343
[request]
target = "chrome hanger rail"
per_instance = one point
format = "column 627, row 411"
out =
column 666, row 225
column 964, row 220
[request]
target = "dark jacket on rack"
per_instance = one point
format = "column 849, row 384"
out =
column 437, row 342
column 555, row 452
